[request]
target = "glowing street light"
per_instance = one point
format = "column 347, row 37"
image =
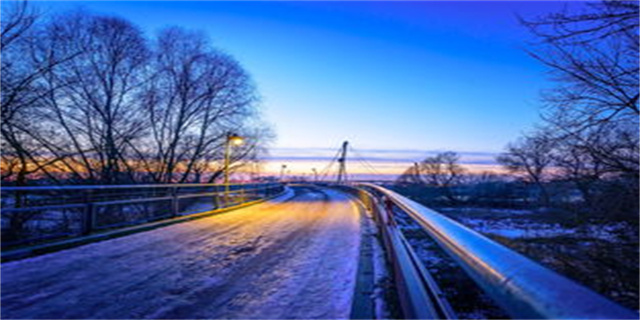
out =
column 236, row 140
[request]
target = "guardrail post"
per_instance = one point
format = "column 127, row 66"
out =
column 88, row 221
column 175, row 202
column 216, row 198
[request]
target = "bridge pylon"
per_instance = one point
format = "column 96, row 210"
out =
column 342, row 170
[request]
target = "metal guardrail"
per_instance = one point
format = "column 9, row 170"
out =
column 419, row 295
column 34, row 214
column 523, row 288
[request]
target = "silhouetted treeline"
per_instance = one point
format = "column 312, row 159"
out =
column 589, row 136
column 441, row 181
column 89, row 98
column 584, row 156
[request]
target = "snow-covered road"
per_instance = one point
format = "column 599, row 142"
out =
column 292, row 257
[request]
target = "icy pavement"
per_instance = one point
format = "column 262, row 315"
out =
column 287, row 258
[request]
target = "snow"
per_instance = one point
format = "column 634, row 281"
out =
column 291, row 257
column 512, row 223
column 512, row 228
column 381, row 275
column 493, row 211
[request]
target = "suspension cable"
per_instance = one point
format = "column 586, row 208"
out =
column 366, row 164
column 326, row 169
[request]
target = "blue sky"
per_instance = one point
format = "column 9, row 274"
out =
column 385, row 76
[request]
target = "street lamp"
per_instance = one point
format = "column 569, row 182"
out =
column 315, row 174
column 284, row 166
column 236, row 140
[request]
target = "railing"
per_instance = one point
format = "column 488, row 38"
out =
column 419, row 295
column 523, row 288
column 35, row 214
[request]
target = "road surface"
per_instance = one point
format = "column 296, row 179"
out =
column 292, row 257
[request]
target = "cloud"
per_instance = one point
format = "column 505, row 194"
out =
column 400, row 156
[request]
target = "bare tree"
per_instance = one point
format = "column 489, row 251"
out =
column 578, row 165
column 590, row 129
column 531, row 158
column 91, row 102
column 607, row 188
column 26, row 57
column 87, row 98
column 410, row 176
column 442, row 171
column 593, row 57
column 17, row 80
column 66, row 91
column 197, row 96
column 18, row 19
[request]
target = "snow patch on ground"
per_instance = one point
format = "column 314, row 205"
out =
column 497, row 211
column 381, row 275
column 512, row 228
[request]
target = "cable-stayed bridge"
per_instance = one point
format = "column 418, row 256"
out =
column 280, row 250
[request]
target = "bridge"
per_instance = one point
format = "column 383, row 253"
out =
column 258, row 250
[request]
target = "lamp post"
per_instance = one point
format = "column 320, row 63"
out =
column 315, row 174
column 284, row 166
column 236, row 140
